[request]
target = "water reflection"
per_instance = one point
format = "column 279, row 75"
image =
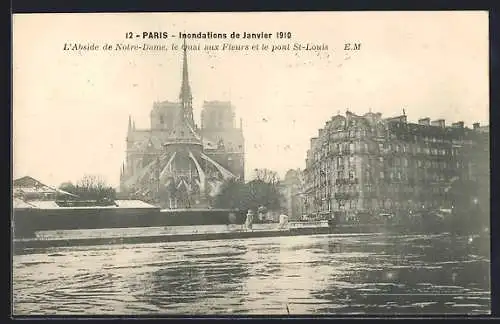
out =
column 195, row 279
column 334, row 274
column 412, row 275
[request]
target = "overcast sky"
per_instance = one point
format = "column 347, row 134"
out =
column 71, row 109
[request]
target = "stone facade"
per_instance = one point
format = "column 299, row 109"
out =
column 177, row 164
column 292, row 191
column 365, row 165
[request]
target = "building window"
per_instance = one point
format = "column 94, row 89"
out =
column 161, row 119
column 351, row 175
column 381, row 174
column 351, row 147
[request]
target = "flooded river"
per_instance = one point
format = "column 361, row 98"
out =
column 329, row 274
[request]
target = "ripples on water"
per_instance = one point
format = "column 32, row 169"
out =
column 333, row 274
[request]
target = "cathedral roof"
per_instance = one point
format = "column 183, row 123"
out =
column 183, row 133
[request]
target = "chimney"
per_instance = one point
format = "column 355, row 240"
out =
column 459, row 124
column 438, row 123
column 475, row 126
column 424, row 121
column 320, row 132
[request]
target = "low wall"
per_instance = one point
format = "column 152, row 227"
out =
column 188, row 217
column 28, row 221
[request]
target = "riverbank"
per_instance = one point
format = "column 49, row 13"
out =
column 21, row 246
column 142, row 235
column 164, row 235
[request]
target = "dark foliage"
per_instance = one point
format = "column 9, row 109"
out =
column 237, row 195
column 89, row 189
column 470, row 203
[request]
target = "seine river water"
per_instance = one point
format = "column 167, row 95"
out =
column 329, row 274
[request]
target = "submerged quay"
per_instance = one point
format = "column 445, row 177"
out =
column 21, row 245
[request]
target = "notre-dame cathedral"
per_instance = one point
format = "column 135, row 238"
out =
column 176, row 164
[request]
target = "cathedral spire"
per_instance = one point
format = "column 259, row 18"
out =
column 129, row 123
column 185, row 95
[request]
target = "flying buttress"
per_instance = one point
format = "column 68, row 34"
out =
column 225, row 173
column 142, row 173
column 201, row 174
column 139, row 175
column 165, row 169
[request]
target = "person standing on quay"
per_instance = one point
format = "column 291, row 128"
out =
column 249, row 220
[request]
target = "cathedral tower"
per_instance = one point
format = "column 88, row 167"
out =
column 176, row 164
column 185, row 96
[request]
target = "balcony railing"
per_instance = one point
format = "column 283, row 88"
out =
column 346, row 181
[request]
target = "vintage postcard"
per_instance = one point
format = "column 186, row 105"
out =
column 291, row 163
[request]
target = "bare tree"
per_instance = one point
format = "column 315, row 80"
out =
column 92, row 182
column 267, row 176
column 94, row 187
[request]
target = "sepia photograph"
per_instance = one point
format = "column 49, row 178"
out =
column 257, row 163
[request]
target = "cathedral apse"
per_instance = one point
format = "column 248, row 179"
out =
column 176, row 164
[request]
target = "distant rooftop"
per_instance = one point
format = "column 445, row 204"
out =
column 29, row 185
column 47, row 204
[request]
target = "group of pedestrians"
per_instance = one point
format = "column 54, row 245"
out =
column 251, row 219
